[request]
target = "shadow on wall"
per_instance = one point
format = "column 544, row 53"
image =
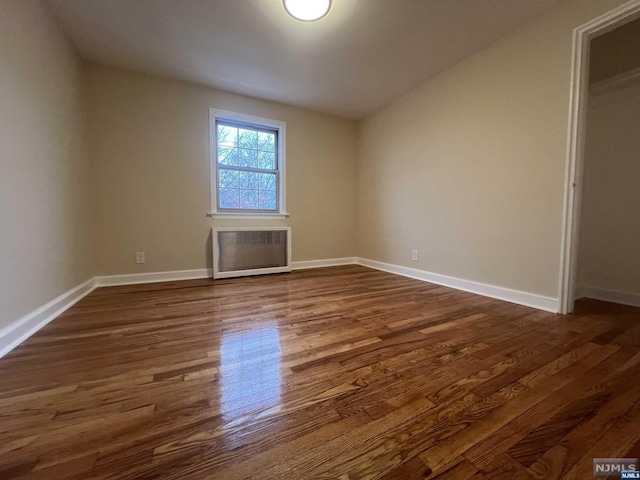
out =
column 209, row 249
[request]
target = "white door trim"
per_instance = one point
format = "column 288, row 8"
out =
column 575, row 142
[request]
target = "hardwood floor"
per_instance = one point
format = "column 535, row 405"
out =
column 340, row 373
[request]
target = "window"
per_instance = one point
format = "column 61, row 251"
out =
column 247, row 171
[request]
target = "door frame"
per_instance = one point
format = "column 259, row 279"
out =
column 576, row 140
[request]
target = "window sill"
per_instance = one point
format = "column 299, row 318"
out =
column 247, row 216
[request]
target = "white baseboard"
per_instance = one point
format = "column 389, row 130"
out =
column 331, row 262
column 624, row 298
column 19, row 331
column 533, row 300
column 155, row 277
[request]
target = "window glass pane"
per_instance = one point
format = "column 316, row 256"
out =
column 247, row 190
column 266, row 160
column 229, row 198
column 267, row 200
column 267, row 181
column 227, row 136
column 249, row 199
column 247, row 158
column 227, row 155
column 248, row 180
column 227, row 178
column 266, row 141
column 247, row 138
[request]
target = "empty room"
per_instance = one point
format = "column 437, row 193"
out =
column 319, row 239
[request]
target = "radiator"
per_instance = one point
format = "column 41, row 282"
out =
column 242, row 251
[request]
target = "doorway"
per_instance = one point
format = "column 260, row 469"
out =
column 571, row 277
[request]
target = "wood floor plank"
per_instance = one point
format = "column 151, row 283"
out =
column 438, row 457
column 614, row 444
column 485, row 451
column 550, row 465
column 342, row 372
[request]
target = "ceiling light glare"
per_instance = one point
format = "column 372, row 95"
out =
column 307, row 10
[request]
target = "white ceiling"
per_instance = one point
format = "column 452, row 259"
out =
column 360, row 56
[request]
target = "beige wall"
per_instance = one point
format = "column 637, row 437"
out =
column 469, row 167
column 609, row 257
column 149, row 141
column 44, row 182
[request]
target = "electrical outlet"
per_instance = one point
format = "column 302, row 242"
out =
column 414, row 255
column 140, row 257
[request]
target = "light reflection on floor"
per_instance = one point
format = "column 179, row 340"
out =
column 250, row 370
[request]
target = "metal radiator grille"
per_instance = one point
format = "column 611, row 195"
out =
column 250, row 250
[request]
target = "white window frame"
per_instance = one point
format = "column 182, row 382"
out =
column 249, row 120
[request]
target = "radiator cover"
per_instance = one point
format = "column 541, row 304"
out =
column 243, row 251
